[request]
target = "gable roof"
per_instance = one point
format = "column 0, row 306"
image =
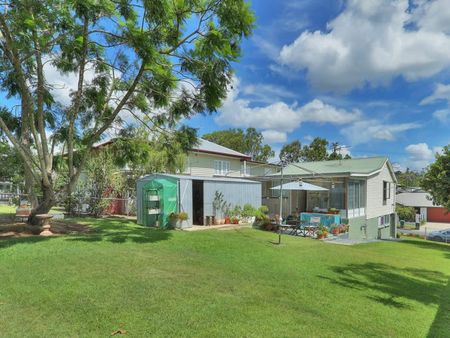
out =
column 415, row 199
column 209, row 147
column 351, row 167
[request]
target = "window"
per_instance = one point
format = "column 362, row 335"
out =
column 386, row 192
column 245, row 169
column 221, row 167
column 356, row 198
column 384, row 220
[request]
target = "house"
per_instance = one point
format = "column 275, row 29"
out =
column 208, row 159
column 361, row 191
column 209, row 162
column 423, row 203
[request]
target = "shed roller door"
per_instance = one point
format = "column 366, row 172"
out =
column 438, row 215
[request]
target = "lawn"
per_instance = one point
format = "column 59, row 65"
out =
column 231, row 283
column 11, row 210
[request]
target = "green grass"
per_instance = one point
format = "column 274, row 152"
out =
column 220, row 283
column 11, row 210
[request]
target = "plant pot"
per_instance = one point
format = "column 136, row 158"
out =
column 227, row 220
column 321, row 236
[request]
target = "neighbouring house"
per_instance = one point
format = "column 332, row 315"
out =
column 213, row 160
column 210, row 160
column 361, row 191
column 159, row 195
column 423, row 203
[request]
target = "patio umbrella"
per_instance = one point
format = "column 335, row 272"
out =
column 299, row 186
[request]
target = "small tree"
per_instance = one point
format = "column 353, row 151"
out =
column 436, row 179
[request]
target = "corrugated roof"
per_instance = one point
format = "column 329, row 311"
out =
column 415, row 199
column 202, row 178
column 361, row 166
column 210, row 147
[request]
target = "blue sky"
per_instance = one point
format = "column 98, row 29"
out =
column 371, row 75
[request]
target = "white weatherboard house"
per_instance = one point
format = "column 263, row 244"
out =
column 361, row 191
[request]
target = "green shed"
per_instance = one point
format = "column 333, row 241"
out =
column 159, row 199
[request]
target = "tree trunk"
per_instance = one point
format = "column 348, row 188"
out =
column 29, row 189
column 48, row 201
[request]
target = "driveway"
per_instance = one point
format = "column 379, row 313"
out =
column 426, row 228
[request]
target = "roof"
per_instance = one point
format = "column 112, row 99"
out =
column 213, row 148
column 203, row 146
column 351, row 167
column 201, row 178
column 415, row 199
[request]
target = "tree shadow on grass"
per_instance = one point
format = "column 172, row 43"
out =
column 397, row 285
column 8, row 242
column 445, row 248
column 117, row 230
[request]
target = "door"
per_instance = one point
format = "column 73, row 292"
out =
column 438, row 215
column 197, row 203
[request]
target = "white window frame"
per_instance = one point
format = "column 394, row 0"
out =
column 359, row 209
column 221, row 167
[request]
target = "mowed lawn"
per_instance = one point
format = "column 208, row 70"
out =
column 233, row 283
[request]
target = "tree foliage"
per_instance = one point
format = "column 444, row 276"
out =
column 409, row 178
column 249, row 142
column 164, row 59
column 317, row 150
column 436, row 179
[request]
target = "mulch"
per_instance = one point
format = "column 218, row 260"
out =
column 59, row 228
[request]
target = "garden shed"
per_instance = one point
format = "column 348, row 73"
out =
column 159, row 195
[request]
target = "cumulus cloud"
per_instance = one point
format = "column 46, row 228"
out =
column 278, row 118
column 371, row 42
column 368, row 130
column 273, row 136
column 420, row 155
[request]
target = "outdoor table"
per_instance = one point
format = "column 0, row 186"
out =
column 285, row 226
column 45, row 218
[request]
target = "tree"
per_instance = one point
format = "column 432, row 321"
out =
column 409, row 178
column 250, row 142
column 436, row 179
column 11, row 168
column 291, row 152
column 315, row 151
column 164, row 59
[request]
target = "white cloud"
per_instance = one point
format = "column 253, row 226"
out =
column 273, row 136
column 441, row 93
column 368, row 130
column 267, row 93
column 442, row 115
column 278, row 116
column 373, row 42
column 420, row 155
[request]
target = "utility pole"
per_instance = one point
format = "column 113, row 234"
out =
column 281, row 204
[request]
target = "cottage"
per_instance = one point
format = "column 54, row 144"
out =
column 361, row 192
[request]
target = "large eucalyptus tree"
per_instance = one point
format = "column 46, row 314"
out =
column 128, row 58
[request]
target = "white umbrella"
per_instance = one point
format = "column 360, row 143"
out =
column 299, row 186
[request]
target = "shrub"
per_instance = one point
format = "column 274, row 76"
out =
column 248, row 211
column 405, row 213
column 183, row 216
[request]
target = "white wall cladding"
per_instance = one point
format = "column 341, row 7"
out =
column 374, row 205
column 236, row 193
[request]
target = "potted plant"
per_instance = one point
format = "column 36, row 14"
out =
column 234, row 220
column 182, row 218
column 173, row 218
column 322, row 232
column 335, row 230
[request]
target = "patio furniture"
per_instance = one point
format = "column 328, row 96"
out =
column 310, row 230
column 298, row 228
column 23, row 212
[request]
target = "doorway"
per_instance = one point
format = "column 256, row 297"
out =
column 197, row 202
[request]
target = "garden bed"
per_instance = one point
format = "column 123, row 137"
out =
column 21, row 229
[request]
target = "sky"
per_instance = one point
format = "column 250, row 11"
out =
column 371, row 75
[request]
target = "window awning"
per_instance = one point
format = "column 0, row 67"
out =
column 299, row 186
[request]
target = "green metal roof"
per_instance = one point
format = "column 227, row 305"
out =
column 357, row 166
